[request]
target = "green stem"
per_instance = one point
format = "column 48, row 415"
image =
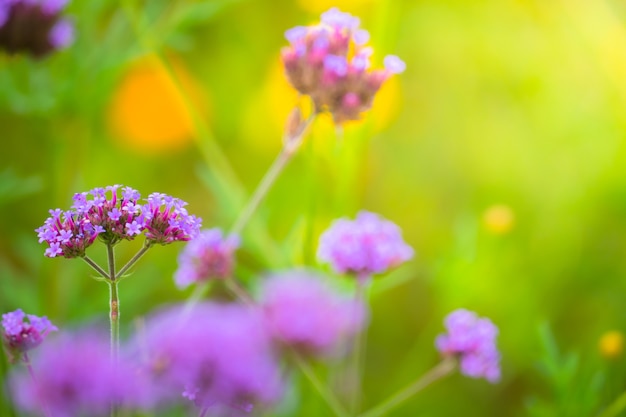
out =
column 133, row 260
column 442, row 369
column 289, row 149
column 96, row 267
column 616, row 407
column 359, row 346
column 111, row 260
column 114, row 315
column 31, row 372
column 233, row 285
column 322, row 390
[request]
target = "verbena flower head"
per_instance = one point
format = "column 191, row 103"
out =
column 208, row 256
column 330, row 62
column 113, row 214
column 211, row 356
column 76, row 377
column 473, row 341
column 167, row 220
column 303, row 312
column 23, row 332
column 34, row 26
column 364, row 246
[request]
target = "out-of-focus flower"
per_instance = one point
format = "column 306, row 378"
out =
column 76, row 377
column 364, row 246
column 208, row 256
column 499, row 219
column 306, row 314
column 148, row 113
column 34, row 26
column 330, row 63
column 611, row 344
column 473, row 341
column 22, row 335
column 213, row 355
column 114, row 213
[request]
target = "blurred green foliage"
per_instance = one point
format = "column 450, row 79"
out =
column 517, row 103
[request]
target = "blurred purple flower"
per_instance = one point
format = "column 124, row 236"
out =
column 213, row 355
column 306, row 314
column 473, row 341
column 316, row 64
column 36, row 27
column 364, row 246
column 208, row 256
column 76, row 377
column 20, row 335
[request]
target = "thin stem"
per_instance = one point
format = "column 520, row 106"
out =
column 96, row 267
column 359, row 346
column 134, row 260
column 442, row 369
column 111, row 260
column 43, row 404
column 322, row 389
column 615, row 407
column 114, row 318
column 203, row 411
column 233, row 285
column 274, row 171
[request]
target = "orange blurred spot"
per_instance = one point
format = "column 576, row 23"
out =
column 499, row 219
column 148, row 113
column 611, row 344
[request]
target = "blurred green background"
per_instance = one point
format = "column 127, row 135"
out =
column 500, row 152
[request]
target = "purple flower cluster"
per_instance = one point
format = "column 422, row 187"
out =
column 303, row 312
column 34, row 26
column 103, row 213
column 330, row 63
column 21, row 335
column 473, row 341
column 75, row 377
column 213, row 355
column 364, row 246
column 208, row 256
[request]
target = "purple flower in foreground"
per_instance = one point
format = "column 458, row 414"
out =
column 303, row 312
column 208, row 256
column 364, row 246
column 21, row 335
column 75, row 377
column 316, row 64
column 213, row 355
column 473, row 341
column 113, row 214
column 167, row 220
column 35, row 27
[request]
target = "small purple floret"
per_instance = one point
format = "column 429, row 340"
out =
column 364, row 246
column 394, row 64
column 21, row 335
column 473, row 341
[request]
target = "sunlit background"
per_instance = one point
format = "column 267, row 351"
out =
column 500, row 152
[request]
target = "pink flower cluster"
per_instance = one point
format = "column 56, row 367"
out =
column 34, row 26
column 208, row 256
column 103, row 213
column 20, row 335
column 304, row 313
column 330, row 63
column 364, row 246
column 473, row 341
